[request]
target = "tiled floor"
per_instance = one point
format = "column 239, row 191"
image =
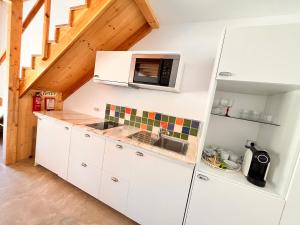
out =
column 34, row 196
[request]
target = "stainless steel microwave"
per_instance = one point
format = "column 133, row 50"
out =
column 156, row 70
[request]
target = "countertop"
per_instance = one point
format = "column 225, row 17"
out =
column 121, row 133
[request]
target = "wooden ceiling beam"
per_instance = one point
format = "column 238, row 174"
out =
column 148, row 13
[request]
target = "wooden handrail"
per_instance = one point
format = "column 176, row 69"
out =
column 3, row 57
column 45, row 41
column 37, row 6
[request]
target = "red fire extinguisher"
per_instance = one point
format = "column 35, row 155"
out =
column 37, row 102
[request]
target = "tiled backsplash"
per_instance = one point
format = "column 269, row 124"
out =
column 152, row 121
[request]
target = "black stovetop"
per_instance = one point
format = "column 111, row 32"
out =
column 104, row 125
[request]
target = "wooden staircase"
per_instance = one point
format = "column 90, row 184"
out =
column 68, row 62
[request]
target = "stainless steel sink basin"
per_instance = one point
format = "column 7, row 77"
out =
column 164, row 141
column 172, row 144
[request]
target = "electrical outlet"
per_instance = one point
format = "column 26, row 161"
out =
column 96, row 109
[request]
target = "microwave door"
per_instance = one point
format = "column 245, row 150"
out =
column 147, row 71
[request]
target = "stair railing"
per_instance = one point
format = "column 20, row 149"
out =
column 35, row 9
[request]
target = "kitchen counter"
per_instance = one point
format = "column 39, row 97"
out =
column 121, row 134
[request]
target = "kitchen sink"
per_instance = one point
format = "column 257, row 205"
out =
column 164, row 141
column 172, row 144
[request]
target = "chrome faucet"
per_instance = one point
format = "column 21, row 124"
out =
column 162, row 131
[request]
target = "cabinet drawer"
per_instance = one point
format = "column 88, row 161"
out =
column 84, row 176
column 114, row 191
column 87, row 147
column 118, row 159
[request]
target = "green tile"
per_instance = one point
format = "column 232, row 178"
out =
column 118, row 108
column 150, row 122
column 132, row 118
column 137, row 125
column 172, row 119
column 107, row 117
column 138, row 119
column 107, row 106
column 171, row 133
column 122, row 109
column 149, row 128
column 126, row 122
column 116, row 120
column 122, row 115
column 165, row 118
column 193, row 132
column 145, row 114
column 157, row 123
column 184, row 136
column 131, row 123
column 133, row 112
column 144, row 120
column 187, row 123
column 111, row 118
column 177, row 135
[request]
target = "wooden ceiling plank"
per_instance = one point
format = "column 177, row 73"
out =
column 148, row 12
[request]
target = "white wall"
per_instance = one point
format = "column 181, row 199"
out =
column 198, row 43
column 232, row 134
column 32, row 37
column 282, row 142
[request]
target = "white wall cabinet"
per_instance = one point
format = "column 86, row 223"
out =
column 291, row 210
column 216, row 201
column 85, row 161
column 261, row 54
column 113, row 67
column 52, row 146
column 158, row 190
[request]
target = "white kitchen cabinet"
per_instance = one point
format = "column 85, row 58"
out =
column 113, row 67
column 216, row 201
column 261, row 54
column 114, row 191
column 52, row 146
column 118, row 159
column 85, row 161
column 158, row 190
column 291, row 214
column 117, row 167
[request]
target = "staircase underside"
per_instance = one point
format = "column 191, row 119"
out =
column 119, row 26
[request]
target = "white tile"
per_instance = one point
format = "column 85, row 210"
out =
column 155, row 130
column 177, row 128
column 121, row 121
column 127, row 116
column 139, row 113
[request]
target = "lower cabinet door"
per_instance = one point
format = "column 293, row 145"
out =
column 215, row 201
column 114, row 191
column 84, row 176
column 158, row 190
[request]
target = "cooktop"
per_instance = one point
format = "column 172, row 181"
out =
column 104, row 125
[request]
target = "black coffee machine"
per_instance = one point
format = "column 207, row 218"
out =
column 256, row 165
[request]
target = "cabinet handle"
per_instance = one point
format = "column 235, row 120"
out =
column 39, row 118
column 202, row 177
column 119, row 146
column 225, row 74
column 83, row 164
column 139, row 154
column 114, row 179
column 67, row 128
column 87, row 135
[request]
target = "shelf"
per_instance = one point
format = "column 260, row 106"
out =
column 237, row 178
column 249, row 120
